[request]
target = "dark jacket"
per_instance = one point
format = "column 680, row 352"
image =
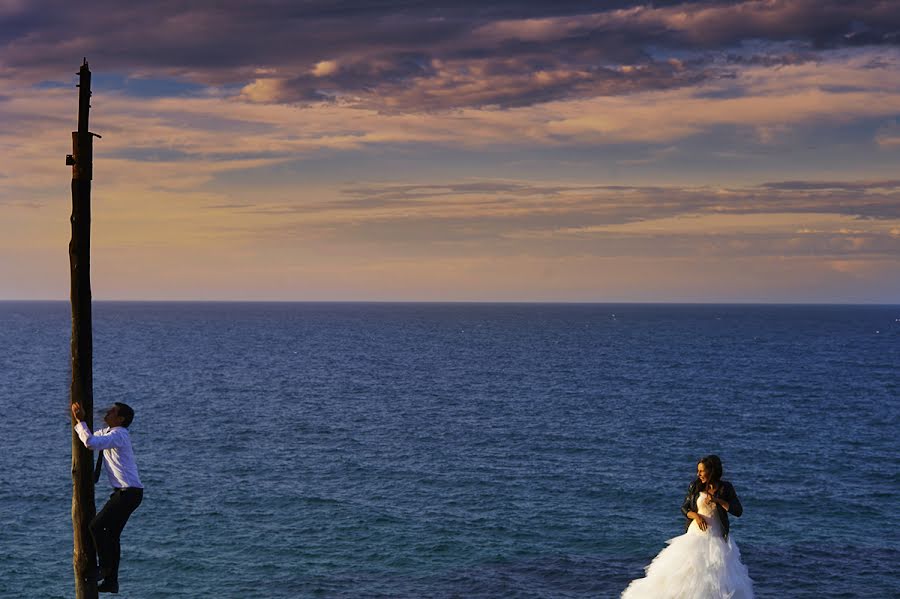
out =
column 725, row 491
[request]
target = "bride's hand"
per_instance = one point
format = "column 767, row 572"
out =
column 701, row 523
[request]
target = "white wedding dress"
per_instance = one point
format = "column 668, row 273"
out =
column 696, row 565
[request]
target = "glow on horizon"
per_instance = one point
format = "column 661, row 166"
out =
column 714, row 169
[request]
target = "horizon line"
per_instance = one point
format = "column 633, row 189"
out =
column 469, row 302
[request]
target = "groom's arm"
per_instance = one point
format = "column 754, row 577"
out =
column 87, row 437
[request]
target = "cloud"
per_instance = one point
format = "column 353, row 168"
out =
column 617, row 204
column 450, row 84
column 520, row 62
column 435, row 56
column 888, row 136
column 185, row 142
column 850, row 220
column 822, row 23
column 324, row 68
column 235, row 127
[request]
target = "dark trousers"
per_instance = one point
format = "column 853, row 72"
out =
column 106, row 527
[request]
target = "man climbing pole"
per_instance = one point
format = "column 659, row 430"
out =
column 117, row 456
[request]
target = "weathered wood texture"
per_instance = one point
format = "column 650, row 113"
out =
column 81, row 390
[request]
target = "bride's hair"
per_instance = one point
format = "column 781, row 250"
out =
column 713, row 466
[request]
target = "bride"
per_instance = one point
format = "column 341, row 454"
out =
column 703, row 563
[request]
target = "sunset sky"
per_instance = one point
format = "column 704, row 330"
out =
column 669, row 151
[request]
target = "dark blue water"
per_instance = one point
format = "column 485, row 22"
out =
column 470, row 451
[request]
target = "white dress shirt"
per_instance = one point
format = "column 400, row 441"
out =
column 118, row 457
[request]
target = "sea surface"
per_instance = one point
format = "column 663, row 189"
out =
column 459, row 450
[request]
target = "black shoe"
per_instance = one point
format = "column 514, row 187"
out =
column 108, row 586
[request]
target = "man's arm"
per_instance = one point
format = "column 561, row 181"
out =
column 84, row 433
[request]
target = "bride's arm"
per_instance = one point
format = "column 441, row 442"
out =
column 734, row 504
column 729, row 500
column 721, row 502
column 687, row 508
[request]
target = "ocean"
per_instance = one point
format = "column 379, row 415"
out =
column 367, row 450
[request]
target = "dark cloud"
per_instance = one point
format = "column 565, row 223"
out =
column 504, row 83
column 417, row 55
column 855, row 186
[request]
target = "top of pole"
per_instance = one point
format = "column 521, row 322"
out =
column 84, row 98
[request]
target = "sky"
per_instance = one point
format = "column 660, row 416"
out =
column 349, row 150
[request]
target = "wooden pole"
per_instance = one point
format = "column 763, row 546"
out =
column 84, row 558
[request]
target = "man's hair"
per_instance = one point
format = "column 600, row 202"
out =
column 126, row 412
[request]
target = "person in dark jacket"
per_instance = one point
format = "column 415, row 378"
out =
column 704, row 562
column 719, row 492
